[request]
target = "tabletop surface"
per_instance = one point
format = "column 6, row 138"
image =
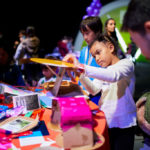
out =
column 49, row 139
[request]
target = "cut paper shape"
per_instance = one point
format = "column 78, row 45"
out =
column 46, row 101
column 52, row 62
column 35, row 138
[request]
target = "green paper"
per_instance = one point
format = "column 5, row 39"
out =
column 28, row 114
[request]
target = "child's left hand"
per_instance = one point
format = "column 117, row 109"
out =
column 72, row 59
column 78, row 68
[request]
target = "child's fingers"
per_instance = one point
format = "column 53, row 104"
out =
column 70, row 58
column 67, row 57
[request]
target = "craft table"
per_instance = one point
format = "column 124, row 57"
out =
column 100, row 127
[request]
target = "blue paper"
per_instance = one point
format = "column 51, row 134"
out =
column 46, row 101
column 35, row 133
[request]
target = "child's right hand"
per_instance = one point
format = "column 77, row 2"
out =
column 71, row 59
column 78, row 68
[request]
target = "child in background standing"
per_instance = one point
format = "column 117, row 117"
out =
column 116, row 81
column 90, row 27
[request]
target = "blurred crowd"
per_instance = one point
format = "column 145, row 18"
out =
column 28, row 46
column 14, row 61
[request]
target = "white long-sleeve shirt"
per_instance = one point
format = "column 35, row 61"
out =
column 117, row 85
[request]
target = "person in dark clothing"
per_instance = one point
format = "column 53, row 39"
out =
column 9, row 72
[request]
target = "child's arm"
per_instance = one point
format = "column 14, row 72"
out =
column 71, row 59
column 124, row 68
column 93, row 87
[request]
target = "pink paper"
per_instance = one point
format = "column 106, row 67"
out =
column 74, row 111
column 5, row 146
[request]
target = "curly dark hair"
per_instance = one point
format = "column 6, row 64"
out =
column 105, row 38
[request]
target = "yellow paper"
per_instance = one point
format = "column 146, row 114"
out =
column 52, row 62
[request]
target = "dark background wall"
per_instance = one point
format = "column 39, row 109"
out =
column 52, row 19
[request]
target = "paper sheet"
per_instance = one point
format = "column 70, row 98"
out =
column 35, row 138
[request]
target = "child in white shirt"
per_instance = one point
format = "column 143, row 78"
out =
column 115, row 79
column 48, row 76
column 49, row 73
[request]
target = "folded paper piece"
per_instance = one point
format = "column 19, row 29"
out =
column 35, row 138
column 46, row 101
column 13, row 90
column 15, row 111
column 74, row 111
column 30, row 102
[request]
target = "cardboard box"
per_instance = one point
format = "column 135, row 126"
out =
column 75, row 119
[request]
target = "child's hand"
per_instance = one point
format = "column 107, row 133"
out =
column 78, row 68
column 72, row 59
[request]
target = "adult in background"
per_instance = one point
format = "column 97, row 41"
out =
column 21, row 37
column 9, row 73
column 28, row 48
column 110, row 30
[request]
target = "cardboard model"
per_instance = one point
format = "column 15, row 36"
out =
column 57, row 89
column 76, row 125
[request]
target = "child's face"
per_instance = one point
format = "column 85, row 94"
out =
column 143, row 42
column 102, row 52
column 88, row 35
column 47, row 73
column 111, row 26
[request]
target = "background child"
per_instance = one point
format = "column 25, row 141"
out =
column 116, row 81
column 48, row 74
column 90, row 27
